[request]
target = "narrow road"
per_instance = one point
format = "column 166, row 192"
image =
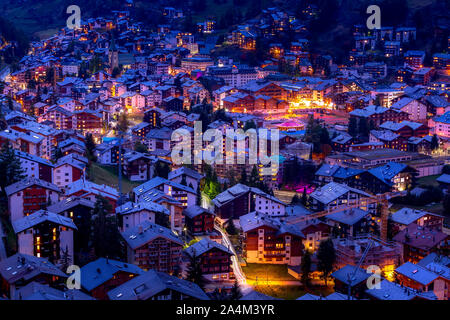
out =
column 234, row 259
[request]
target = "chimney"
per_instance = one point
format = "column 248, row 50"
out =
column 140, row 230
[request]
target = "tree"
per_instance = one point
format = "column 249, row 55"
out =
column 162, row 169
column 90, row 147
column 194, row 270
column 254, row 177
column 249, row 125
column 326, row 256
column 236, row 293
column 243, row 177
column 231, row 229
column 363, row 127
column 352, row 127
column 123, row 123
column 198, row 197
column 306, row 267
column 105, row 236
column 434, row 142
column 140, row 147
column 10, row 169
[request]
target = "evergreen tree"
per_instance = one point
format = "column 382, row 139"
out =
column 65, row 259
column 352, row 127
column 306, row 267
column 304, row 197
column 231, row 229
column 140, row 147
column 194, row 271
column 326, row 256
column 90, row 147
column 198, row 199
column 10, row 169
column 254, row 177
column 162, row 170
column 123, row 123
column 236, row 293
column 183, row 180
column 105, row 236
column 434, row 142
column 243, row 177
column 363, row 127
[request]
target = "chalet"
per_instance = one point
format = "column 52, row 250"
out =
column 89, row 190
column 199, row 220
column 406, row 129
column 103, row 275
column 186, row 176
column 267, row 240
column 29, row 195
column 334, row 173
column 333, row 195
column 390, row 177
column 444, row 182
column 351, row 222
column 215, row 259
column 80, row 211
column 417, row 242
column 241, row 199
column 150, row 246
column 351, row 276
column 154, row 285
column 406, row 216
column 186, row 195
column 389, row 139
column 21, row 269
column 393, row 291
column 67, row 170
column 35, row 166
column 45, row 234
column 417, row 110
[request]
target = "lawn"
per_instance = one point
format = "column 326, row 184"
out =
column 428, row 181
column 292, row 292
column 267, row 271
column 108, row 175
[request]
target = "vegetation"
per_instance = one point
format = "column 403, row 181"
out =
column 195, row 272
column 317, row 135
column 105, row 237
column 260, row 273
column 306, row 268
column 326, row 256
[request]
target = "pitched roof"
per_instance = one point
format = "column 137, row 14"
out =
column 253, row 220
column 387, row 172
column 152, row 282
column 392, row 291
column 416, row 273
column 40, row 216
column 132, row 207
column 101, row 270
column 156, row 182
column 193, row 211
column 348, row 217
column 28, row 182
column 205, row 245
column 69, row 203
column 25, row 267
column 38, row 291
column 332, row 191
column 187, row 171
column 146, row 232
column 344, row 274
column 406, row 216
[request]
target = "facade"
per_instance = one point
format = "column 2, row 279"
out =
column 45, row 234
column 30, row 195
column 199, row 220
column 215, row 259
column 267, row 240
column 150, row 246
